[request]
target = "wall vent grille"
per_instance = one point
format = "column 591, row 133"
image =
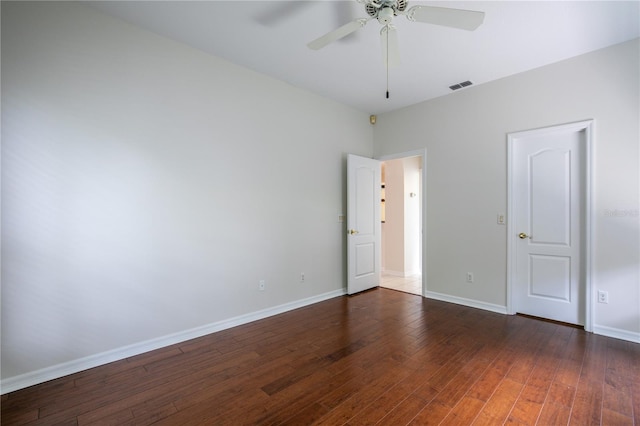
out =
column 460, row 85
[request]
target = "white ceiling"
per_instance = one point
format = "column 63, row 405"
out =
column 271, row 36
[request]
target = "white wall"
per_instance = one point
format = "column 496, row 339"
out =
column 412, row 219
column 147, row 187
column 394, row 223
column 465, row 136
column 401, row 230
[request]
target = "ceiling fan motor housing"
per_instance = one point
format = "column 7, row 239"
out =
column 385, row 10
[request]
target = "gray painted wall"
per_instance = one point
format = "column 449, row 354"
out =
column 147, row 187
column 465, row 134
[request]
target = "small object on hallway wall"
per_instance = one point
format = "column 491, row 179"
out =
column 372, row 119
column 412, row 194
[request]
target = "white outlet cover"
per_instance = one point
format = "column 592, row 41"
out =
column 603, row 296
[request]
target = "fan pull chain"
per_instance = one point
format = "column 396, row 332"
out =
column 387, row 61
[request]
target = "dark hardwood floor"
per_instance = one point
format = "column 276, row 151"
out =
column 380, row 357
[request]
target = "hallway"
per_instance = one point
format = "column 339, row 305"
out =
column 412, row 284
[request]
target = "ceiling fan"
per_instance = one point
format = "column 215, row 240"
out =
column 385, row 10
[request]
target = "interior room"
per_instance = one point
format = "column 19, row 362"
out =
column 178, row 170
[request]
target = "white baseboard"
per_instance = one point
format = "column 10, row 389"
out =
column 56, row 371
column 617, row 333
column 467, row 302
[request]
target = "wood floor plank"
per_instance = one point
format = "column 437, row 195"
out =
column 499, row 405
column 617, row 394
column 617, row 399
column 561, row 394
column 464, row 413
column 554, row 414
column 20, row 417
column 569, row 370
column 350, row 396
column 404, row 412
column 432, row 414
column 345, row 403
column 379, row 357
column 486, row 385
column 587, row 406
column 285, row 406
column 388, row 401
column 634, row 375
column 524, row 412
column 610, row 417
column 458, row 387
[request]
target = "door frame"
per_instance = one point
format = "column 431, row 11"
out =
column 587, row 261
column 417, row 153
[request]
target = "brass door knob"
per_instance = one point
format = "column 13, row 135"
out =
column 522, row 236
column 352, row 231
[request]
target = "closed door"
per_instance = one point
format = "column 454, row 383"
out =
column 547, row 186
column 363, row 224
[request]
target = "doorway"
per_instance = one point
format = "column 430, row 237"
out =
column 402, row 216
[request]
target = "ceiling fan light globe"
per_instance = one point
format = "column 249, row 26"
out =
column 385, row 15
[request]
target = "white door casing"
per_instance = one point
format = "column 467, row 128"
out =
column 363, row 223
column 548, row 232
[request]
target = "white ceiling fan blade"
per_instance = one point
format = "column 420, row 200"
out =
column 390, row 51
column 456, row 18
column 337, row 34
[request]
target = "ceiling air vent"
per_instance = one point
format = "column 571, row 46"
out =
column 460, row 85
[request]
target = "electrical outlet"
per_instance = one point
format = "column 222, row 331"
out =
column 603, row 296
column 301, row 277
column 261, row 285
column 469, row 277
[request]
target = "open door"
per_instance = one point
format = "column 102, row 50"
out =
column 363, row 223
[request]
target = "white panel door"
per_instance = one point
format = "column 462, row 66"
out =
column 363, row 223
column 547, row 182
